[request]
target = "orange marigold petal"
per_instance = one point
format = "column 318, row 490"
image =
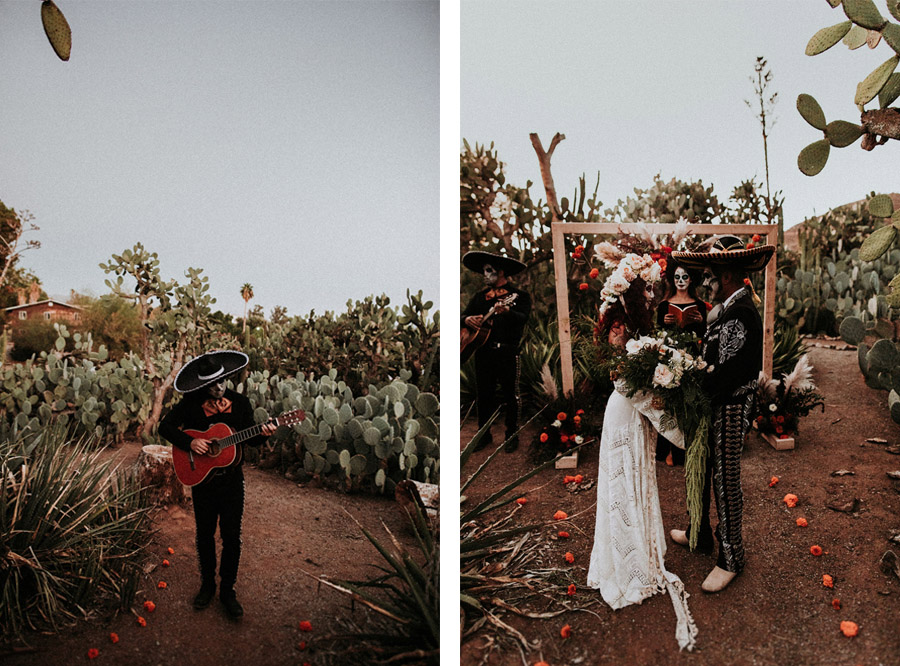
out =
column 849, row 629
column 165, row 563
column 571, row 590
column 93, row 653
column 141, row 621
column 162, row 585
column 579, row 478
column 790, row 499
column 815, row 550
column 114, row 637
column 568, row 478
column 522, row 500
column 171, row 551
column 305, row 625
column 566, row 631
column 836, row 604
column 773, row 481
column 569, row 558
column 801, row 522
column 827, row 580
column 560, row 515
column 563, row 534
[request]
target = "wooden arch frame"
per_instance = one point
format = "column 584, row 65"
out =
column 559, row 230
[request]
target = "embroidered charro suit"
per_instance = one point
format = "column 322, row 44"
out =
column 733, row 349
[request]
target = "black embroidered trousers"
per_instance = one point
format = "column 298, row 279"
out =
column 219, row 501
column 497, row 364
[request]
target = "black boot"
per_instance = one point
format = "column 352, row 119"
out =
column 512, row 443
column 485, row 441
column 232, row 607
column 205, row 595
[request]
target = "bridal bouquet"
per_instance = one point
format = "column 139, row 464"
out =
column 666, row 366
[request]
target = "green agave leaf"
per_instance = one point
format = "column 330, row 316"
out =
column 856, row 37
column 57, row 29
column 841, row 133
column 812, row 159
column 864, row 13
column 827, row 37
column 890, row 91
column 869, row 87
column 811, row 111
column 881, row 205
column 877, row 243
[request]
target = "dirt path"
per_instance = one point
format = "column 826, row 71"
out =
column 286, row 529
column 777, row 611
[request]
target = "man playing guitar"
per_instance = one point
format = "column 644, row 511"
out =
column 218, row 498
column 497, row 359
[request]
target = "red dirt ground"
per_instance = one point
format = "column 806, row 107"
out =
column 286, row 529
column 777, row 611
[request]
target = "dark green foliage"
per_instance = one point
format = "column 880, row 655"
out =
column 31, row 337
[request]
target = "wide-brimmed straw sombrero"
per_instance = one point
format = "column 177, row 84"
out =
column 209, row 368
column 727, row 252
column 476, row 259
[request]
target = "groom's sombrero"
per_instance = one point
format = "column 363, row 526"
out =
column 476, row 259
column 209, row 368
column 728, row 251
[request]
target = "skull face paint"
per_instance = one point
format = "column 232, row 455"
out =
column 682, row 279
column 711, row 282
column 216, row 390
column 490, row 275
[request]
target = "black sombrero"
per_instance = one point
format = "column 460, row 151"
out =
column 476, row 259
column 209, row 368
column 727, row 252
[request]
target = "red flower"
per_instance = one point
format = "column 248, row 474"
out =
column 566, row 631
column 756, row 238
column 560, row 515
column 666, row 249
column 584, row 286
column 305, row 625
column 815, row 550
column 561, row 416
column 836, row 604
column 801, row 522
column 579, row 412
column 577, row 419
column 522, row 501
column 827, row 580
column 773, row 481
column 563, row 534
column 750, row 245
column 849, row 629
column 571, row 590
column 114, row 638
column 779, row 429
column 747, row 281
column 569, row 558
column 594, row 273
column 165, row 563
column 162, row 585
column 141, row 621
column 149, row 606
column 579, row 249
column 563, row 438
column 662, row 263
column 779, row 418
column 93, row 653
column 302, row 645
column 544, row 437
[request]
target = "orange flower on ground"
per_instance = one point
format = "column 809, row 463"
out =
column 827, row 580
column 114, row 637
column 521, row 501
column 165, row 563
column 584, row 286
column 563, row 535
column 302, row 645
column 594, row 273
column 801, row 522
column 544, row 437
column 170, row 550
column 849, row 629
column 568, row 478
column 560, row 515
column 773, row 481
column 579, row 478
column 571, row 590
column 561, row 416
column 149, row 606
column 570, row 558
column 141, row 621
column 790, row 499
column 836, row 604
column 93, row 653
column 305, row 625
column 162, row 585
column 815, row 550
column 542, row 663
column 566, row 631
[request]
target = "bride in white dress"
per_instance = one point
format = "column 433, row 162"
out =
column 627, row 561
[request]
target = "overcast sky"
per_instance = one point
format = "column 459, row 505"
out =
column 292, row 145
column 640, row 88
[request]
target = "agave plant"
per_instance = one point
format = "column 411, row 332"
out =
column 72, row 529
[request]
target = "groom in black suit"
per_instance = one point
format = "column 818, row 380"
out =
column 733, row 350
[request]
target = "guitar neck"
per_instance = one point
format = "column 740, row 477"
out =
column 242, row 436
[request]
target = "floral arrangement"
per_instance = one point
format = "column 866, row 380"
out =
column 665, row 365
column 570, row 426
column 783, row 401
column 565, row 432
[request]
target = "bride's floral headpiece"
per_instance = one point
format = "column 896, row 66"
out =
column 630, row 267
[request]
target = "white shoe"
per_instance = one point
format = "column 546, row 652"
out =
column 679, row 536
column 717, row 580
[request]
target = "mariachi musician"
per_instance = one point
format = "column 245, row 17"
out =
column 500, row 311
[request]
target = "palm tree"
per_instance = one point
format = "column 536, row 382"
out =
column 246, row 294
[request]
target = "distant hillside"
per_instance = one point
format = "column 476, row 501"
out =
column 792, row 235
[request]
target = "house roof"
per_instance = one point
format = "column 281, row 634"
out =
column 49, row 300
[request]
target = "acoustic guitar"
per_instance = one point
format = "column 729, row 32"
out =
column 191, row 468
column 470, row 341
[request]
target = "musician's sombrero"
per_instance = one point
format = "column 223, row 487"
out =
column 209, row 368
column 727, row 251
column 476, row 259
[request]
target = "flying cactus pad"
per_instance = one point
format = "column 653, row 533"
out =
column 57, row 29
column 812, row 159
column 841, row 133
column 827, row 37
column 811, row 111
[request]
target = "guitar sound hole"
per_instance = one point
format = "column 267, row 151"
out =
column 214, row 449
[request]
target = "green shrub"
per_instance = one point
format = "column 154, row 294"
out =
column 31, row 337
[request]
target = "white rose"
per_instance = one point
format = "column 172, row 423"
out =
column 628, row 273
column 557, row 423
column 663, row 376
column 579, row 439
column 632, row 346
column 619, row 284
column 773, row 407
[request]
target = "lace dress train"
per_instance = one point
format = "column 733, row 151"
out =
column 627, row 562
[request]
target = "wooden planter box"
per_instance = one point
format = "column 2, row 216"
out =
column 568, row 462
column 779, row 444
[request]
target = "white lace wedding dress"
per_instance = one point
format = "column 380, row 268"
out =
column 627, row 563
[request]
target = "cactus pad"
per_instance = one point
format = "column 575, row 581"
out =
column 881, row 205
column 864, row 13
column 841, row 133
column 811, row 111
column 890, row 91
column 827, row 37
column 874, row 82
column 57, row 29
column 812, row 159
column 877, row 243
